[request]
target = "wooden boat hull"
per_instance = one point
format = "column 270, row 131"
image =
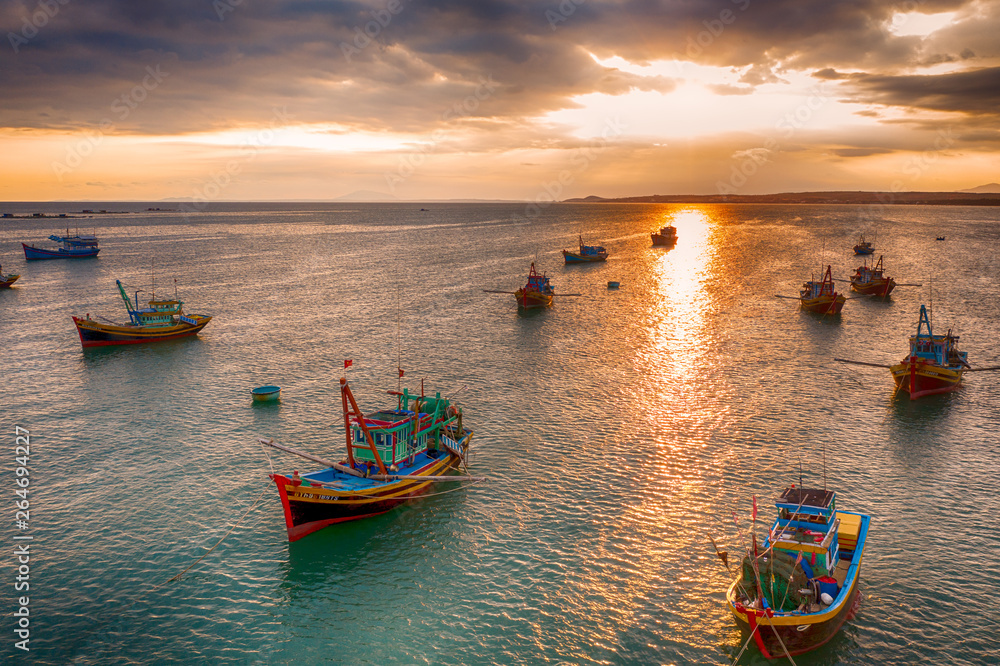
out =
column 575, row 258
column 35, row 253
column 8, row 280
column 663, row 241
column 858, row 249
column 921, row 379
column 881, row 287
column 797, row 640
column 824, row 304
column 803, row 632
column 94, row 334
column 532, row 299
column 308, row 508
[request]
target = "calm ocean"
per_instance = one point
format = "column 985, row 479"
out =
column 619, row 430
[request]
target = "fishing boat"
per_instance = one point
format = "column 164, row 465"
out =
column 872, row 280
column 795, row 593
column 665, row 237
column 587, row 253
column 160, row 320
column 934, row 364
column 72, row 247
column 393, row 455
column 863, row 246
column 536, row 293
column 7, row 279
column 821, row 296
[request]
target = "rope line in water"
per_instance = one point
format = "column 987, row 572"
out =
column 746, row 645
column 235, row 525
column 139, row 598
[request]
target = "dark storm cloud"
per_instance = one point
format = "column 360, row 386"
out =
column 974, row 92
column 230, row 62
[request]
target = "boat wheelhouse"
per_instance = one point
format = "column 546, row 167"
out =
column 160, row 320
column 934, row 364
column 665, row 237
column 586, row 254
column 80, row 246
column 871, row 280
column 797, row 592
column 393, row 455
column 821, row 296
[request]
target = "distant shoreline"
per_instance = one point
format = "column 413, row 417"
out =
column 856, row 198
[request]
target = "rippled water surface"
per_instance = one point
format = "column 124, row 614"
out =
column 619, row 430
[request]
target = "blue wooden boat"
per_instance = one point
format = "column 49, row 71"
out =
column 864, row 247
column 73, row 247
column 797, row 592
column 586, row 253
column 268, row 393
column 614, row 285
column 160, row 320
column 393, row 455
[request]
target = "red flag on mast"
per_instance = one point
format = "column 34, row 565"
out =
column 347, row 363
column 400, row 371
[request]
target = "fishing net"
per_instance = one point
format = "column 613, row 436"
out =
column 781, row 580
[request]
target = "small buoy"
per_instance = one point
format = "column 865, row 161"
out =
column 826, row 598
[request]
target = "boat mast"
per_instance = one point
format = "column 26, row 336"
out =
column 346, row 396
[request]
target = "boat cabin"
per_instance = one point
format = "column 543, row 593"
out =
column 78, row 241
column 537, row 282
column 399, row 433
column 936, row 349
column 807, row 524
column 813, row 289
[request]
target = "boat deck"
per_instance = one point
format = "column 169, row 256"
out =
column 337, row 480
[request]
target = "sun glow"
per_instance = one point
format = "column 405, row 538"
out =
column 917, row 24
column 321, row 137
column 706, row 101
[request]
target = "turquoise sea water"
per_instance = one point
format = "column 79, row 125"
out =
column 619, row 430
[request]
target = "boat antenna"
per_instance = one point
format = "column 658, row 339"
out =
column 824, row 465
column 399, row 351
column 175, row 289
column 800, row 469
column 930, row 317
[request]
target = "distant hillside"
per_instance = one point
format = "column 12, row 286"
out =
column 992, row 188
column 964, row 198
column 366, row 195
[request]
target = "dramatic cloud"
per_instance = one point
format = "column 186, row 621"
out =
column 388, row 77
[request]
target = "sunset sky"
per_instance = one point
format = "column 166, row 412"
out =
column 494, row 99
